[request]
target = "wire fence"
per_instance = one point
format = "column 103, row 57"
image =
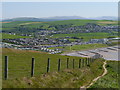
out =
column 33, row 66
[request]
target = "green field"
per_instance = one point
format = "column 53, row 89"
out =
column 86, row 36
column 111, row 79
column 19, row 71
column 8, row 36
column 80, row 47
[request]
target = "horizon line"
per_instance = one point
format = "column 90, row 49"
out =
column 55, row 16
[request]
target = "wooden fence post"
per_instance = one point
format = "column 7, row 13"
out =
column 82, row 62
column 59, row 65
column 67, row 63
column 90, row 60
column 73, row 63
column 79, row 63
column 86, row 61
column 48, row 65
column 6, row 68
column 32, row 67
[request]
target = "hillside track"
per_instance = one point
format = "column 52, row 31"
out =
column 94, row 80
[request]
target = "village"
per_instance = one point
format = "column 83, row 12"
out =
column 43, row 39
column 61, row 29
column 36, row 44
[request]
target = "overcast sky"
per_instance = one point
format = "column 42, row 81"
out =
column 50, row 9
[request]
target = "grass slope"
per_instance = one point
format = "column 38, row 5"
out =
column 111, row 79
column 68, row 78
column 20, row 62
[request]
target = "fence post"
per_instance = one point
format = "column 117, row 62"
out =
column 48, row 65
column 82, row 62
column 89, row 61
column 32, row 67
column 73, row 64
column 59, row 65
column 86, row 61
column 6, row 68
column 79, row 63
column 67, row 63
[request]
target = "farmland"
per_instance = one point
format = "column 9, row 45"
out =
column 19, row 71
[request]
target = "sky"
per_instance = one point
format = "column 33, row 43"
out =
column 51, row 9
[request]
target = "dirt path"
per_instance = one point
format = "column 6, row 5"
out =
column 94, row 80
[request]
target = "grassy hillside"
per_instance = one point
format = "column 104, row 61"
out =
column 66, row 78
column 111, row 79
column 8, row 36
column 20, row 61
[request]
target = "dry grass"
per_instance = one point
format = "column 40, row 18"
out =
column 5, row 22
column 31, row 23
column 107, row 22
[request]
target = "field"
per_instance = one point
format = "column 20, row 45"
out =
column 111, row 79
column 83, row 22
column 86, row 36
column 19, row 71
column 80, row 47
column 8, row 36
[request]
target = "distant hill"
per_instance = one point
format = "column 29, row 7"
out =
column 58, row 18
column 65, row 17
column 28, row 19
